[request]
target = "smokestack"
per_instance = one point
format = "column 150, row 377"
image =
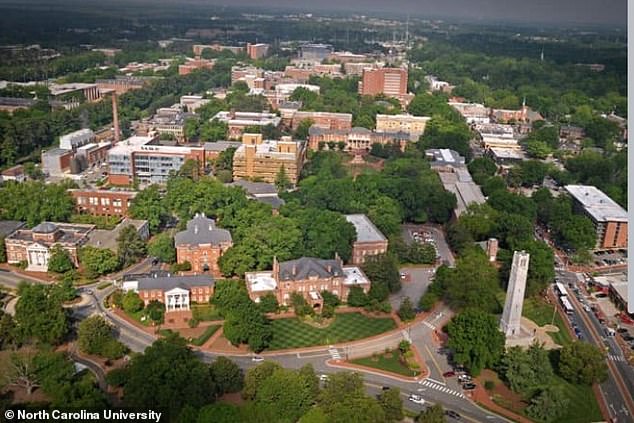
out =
column 115, row 117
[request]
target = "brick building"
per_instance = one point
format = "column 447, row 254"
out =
column 307, row 276
column 238, row 121
column 357, row 139
column 413, row 125
column 257, row 51
column 389, row 81
column 202, row 244
column 263, row 159
column 121, row 84
column 33, row 245
column 14, row 173
column 194, row 64
column 327, row 120
column 57, row 161
column 102, row 202
column 608, row 217
column 176, row 292
column 369, row 241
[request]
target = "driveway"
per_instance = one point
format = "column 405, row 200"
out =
column 414, row 286
column 437, row 234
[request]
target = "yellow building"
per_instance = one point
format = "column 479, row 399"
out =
column 262, row 159
column 414, row 125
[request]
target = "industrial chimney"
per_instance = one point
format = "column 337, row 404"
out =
column 115, row 117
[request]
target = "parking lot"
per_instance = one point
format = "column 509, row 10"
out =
column 609, row 258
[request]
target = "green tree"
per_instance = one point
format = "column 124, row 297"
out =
column 130, row 246
column 406, row 311
column 94, row 336
column 282, row 181
column 39, row 314
column 582, row 363
column 247, row 325
column 132, row 302
column 526, row 370
column 548, row 405
column 356, row 297
column 392, row 404
column 475, row 339
column 168, row 375
column 482, row 168
column 21, row 371
column 98, row 261
column 227, row 376
column 256, row 376
column 432, row 414
column 155, row 311
column 286, row 390
column 302, row 129
column 3, row 251
column 162, row 247
column 343, row 399
column 8, row 331
column 382, row 270
column 148, row 205
column 59, row 260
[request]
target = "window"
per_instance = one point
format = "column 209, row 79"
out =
column 93, row 201
column 105, row 201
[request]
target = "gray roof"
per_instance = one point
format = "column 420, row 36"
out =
column 170, row 282
column 17, row 102
column 366, row 231
column 597, row 204
column 255, row 188
column 306, row 267
column 55, row 152
column 7, row 227
column 45, row 228
column 202, row 230
column 361, row 130
column 220, row 146
column 272, row 200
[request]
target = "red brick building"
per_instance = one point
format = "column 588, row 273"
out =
column 307, row 276
column 195, row 64
column 103, row 202
column 369, row 241
column 202, row 244
column 257, row 51
column 176, row 292
column 326, row 120
column 389, row 81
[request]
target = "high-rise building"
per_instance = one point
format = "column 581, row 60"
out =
column 512, row 314
column 257, row 51
column 389, row 81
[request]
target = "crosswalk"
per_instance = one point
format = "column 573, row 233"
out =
column 334, row 353
column 437, row 386
column 429, row 325
column 614, row 357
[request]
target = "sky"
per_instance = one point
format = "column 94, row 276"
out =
column 576, row 11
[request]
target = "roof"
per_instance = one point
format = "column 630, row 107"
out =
column 597, row 204
column 445, row 156
column 305, row 267
column 55, row 152
column 255, row 188
column 220, row 146
column 355, row 276
column 45, row 228
column 17, row 102
column 103, row 238
column 260, row 281
column 165, row 283
column 13, row 171
column 272, row 200
column 366, row 231
column 202, row 230
column 9, row 226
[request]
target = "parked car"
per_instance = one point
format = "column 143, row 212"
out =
column 416, row 399
column 323, row 378
column 385, row 388
column 464, row 378
column 257, row 358
column 453, row 414
column 449, row 374
column 403, row 275
column 468, row 386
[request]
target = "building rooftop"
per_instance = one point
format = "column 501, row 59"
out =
column 166, row 283
column 7, row 227
column 306, row 267
column 445, row 156
column 255, row 188
column 261, row 281
column 13, row 171
column 55, row 152
column 366, row 231
column 202, row 230
column 507, row 153
column 107, row 238
column 220, row 146
column 17, row 102
column 466, row 192
column 355, row 276
column 601, row 207
column 404, row 117
column 69, row 232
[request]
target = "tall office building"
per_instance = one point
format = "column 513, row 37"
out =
column 389, row 81
column 512, row 314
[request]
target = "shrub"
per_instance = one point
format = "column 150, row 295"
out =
column 489, row 385
column 192, row 323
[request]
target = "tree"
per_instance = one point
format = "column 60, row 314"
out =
column 282, row 182
column 548, row 405
column 227, row 376
column 268, row 303
column 59, row 260
column 130, row 246
column 300, row 306
column 343, row 399
column 286, row 390
column 433, row 414
column 148, row 205
column 406, row 311
column 94, row 336
column 98, row 261
column 582, row 363
column 132, row 302
column 356, row 297
column 22, row 372
column 525, row 371
column 392, row 404
column 482, row 168
column 155, row 311
column 3, row 251
column 167, row 375
column 256, row 376
column 302, row 129
column 229, row 295
column 382, row 270
column 247, row 325
column 190, row 169
column 39, row 314
column 475, row 339
column 8, row 331
column 162, row 247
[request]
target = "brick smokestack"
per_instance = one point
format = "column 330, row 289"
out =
column 115, row 118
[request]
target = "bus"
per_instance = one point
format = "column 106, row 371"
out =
column 560, row 289
column 565, row 303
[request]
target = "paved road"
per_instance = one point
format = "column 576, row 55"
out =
column 11, row 279
column 618, row 390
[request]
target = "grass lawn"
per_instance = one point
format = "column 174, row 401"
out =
column 137, row 316
column 293, row 333
column 541, row 313
column 103, row 285
column 205, row 312
column 205, row 335
column 582, row 406
column 389, row 364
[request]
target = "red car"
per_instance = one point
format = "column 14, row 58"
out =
column 449, row 374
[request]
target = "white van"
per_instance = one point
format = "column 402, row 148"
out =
column 610, row 332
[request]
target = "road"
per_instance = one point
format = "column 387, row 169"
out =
column 11, row 279
column 618, row 389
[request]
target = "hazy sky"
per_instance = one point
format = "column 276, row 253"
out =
column 581, row 11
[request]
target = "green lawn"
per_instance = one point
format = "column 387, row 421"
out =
column 205, row 335
column 391, row 364
column 205, row 312
column 583, row 406
column 293, row 333
column 541, row 313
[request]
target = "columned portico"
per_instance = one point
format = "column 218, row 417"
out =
column 177, row 299
column 37, row 257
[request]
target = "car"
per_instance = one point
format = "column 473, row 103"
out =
column 601, row 295
column 385, row 388
column 403, row 275
column 464, row 378
column 621, row 330
column 323, row 378
column 469, row 386
column 449, row 374
column 257, row 358
column 416, row 399
column 627, row 337
column 452, row 414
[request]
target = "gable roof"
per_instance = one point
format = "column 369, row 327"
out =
column 165, row 283
column 305, row 267
column 202, row 230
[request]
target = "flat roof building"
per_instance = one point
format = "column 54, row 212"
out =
column 102, row 202
column 369, row 241
column 389, row 81
column 608, row 217
column 237, row 121
column 413, row 125
column 76, row 139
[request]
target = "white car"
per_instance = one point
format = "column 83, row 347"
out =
column 257, row 358
column 323, row 378
column 416, row 399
